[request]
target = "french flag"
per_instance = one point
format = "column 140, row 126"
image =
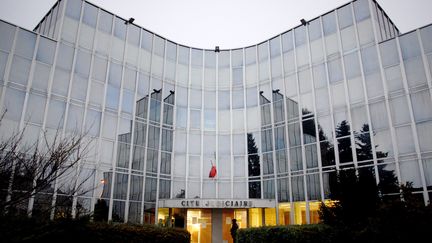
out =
column 213, row 171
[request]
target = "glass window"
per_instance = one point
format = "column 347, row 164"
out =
column 25, row 43
column 224, row 100
column 355, row 89
column 92, row 124
column 365, row 32
column 374, row 85
column 115, row 74
column 322, row 100
column 66, row 53
column 13, row 102
column 90, row 14
column 120, row 28
column 424, row 131
column 75, row 118
column 237, row 99
column 302, row 55
column 352, row 65
column 70, row 29
column 335, row 70
column 105, row 21
column 20, row 70
column 287, row 41
column 7, row 36
column 329, row 23
column 196, row 98
column 410, row 46
column 338, row 93
column 378, row 115
column 426, row 35
column 300, row 35
column 389, row 53
column 315, row 29
column 361, row 9
column 317, row 52
column 349, row 41
column 345, row 16
column 399, row 111
column 275, row 47
column 46, row 50
column 146, row 40
column 99, row 68
column 159, row 46
column 405, row 140
column 40, row 76
column 61, row 84
column 415, row 72
column 394, row 78
column 134, row 35
column 55, row 114
column 305, row 81
column 319, row 76
column 370, row 60
column 82, row 65
column 79, row 88
column 421, row 103
column 73, row 9
column 195, row 119
column 112, row 97
column 128, row 101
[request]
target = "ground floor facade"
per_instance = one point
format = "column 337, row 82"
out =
column 210, row 220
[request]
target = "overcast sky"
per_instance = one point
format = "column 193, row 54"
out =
column 226, row 23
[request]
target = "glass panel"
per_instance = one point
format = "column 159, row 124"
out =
column 300, row 35
column 82, row 65
column 394, row 78
column 379, row 115
column 46, row 50
column 345, row 16
column 20, row 70
column 349, row 41
column 361, row 9
column 329, row 23
column 399, row 111
column 410, row 46
column 90, row 14
column 370, row 60
column 404, row 139
column 55, row 114
column 7, row 36
column 73, row 9
column 424, row 131
column 66, row 53
column 415, row 72
column 389, row 53
column 426, row 34
column 335, row 70
column 352, row 65
column 421, row 103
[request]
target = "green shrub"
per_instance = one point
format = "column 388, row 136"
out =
column 29, row 230
column 290, row 234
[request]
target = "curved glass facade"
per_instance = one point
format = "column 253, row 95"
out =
column 276, row 119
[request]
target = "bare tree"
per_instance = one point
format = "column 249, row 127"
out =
column 29, row 172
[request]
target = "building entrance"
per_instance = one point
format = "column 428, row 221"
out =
column 213, row 225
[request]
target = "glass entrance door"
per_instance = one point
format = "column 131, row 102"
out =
column 227, row 215
column 199, row 225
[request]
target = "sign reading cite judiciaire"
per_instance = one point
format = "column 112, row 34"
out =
column 216, row 203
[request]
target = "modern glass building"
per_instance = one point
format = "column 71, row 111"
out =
column 276, row 119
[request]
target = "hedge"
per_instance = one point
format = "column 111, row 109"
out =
column 81, row 231
column 291, row 234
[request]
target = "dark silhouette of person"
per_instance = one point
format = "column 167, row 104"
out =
column 234, row 228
